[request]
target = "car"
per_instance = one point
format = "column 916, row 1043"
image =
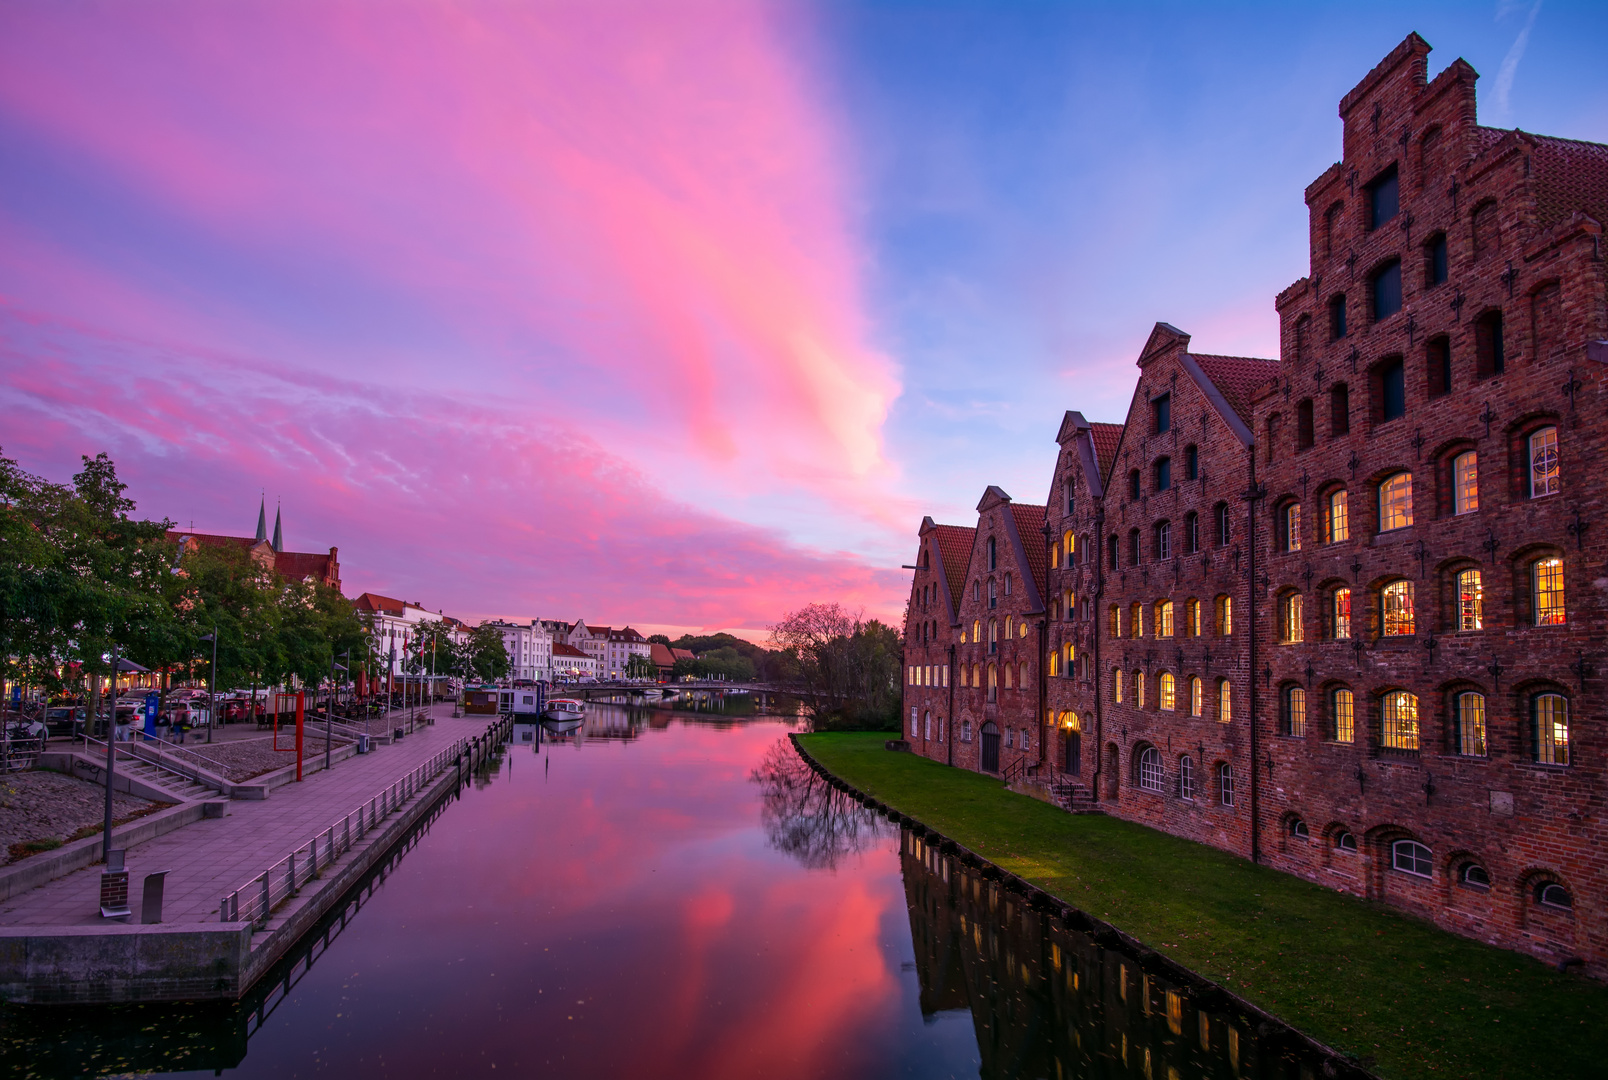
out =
column 65, row 720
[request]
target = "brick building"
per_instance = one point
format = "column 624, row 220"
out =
column 1342, row 612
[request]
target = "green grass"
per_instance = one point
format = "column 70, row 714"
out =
column 1364, row 979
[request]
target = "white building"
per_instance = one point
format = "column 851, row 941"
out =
column 396, row 625
column 623, row 644
column 570, row 663
column 593, row 643
column 530, row 650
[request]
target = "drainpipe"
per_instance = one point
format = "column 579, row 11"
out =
column 1254, row 494
column 949, row 733
column 1043, row 684
column 1099, row 699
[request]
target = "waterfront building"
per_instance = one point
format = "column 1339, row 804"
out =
column 572, row 663
column 530, row 650
column 931, row 633
column 395, row 623
column 619, row 646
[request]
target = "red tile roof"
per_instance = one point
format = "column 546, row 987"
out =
column 661, row 655
column 377, row 603
column 1569, row 176
column 1030, row 529
column 1237, row 378
column 955, row 544
column 1106, row 438
column 626, row 634
column 565, row 650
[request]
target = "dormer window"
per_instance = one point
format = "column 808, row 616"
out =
column 1384, row 198
column 1161, row 409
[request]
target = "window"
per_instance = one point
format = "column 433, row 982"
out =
column 1345, row 840
column 1435, row 261
column 1303, row 425
column 1470, row 600
column 1438, row 366
column 1411, row 857
column 1133, row 547
column 1116, row 685
column 976, row 585
column 1111, row 550
column 1007, row 584
column 1186, row 778
column 1337, row 317
column 1465, row 483
column 1490, row 353
column 993, row 554
column 914, row 730
column 1396, row 608
column 1167, row 692
column 1191, row 463
column 1546, row 577
column 1225, row 701
column 1225, row 616
column 1161, row 411
column 1390, row 391
column 1022, row 677
column 1223, row 525
column 1396, row 502
column 1292, row 527
column 1487, row 236
column 993, row 595
column 1164, row 540
column 1163, row 474
column 993, row 637
column 1387, row 290
column 1551, row 715
column 1136, row 620
column 1339, row 410
column 1192, row 617
column 1150, row 775
column 1225, row 784
column 1116, row 621
column 1340, row 614
column 1010, row 622
column 1293, row 720
column 1470, row 733
column 993, row 683
column 1069, row 544
column 1399, row 721
column 1551, row 894
column 1138, row 689
column 1343, row 715
column 1133, row 483
column 1337, row 519
column 1473, row 875
column 1191, row 533
column 1291, row 623
column 1299, row 830
column 1194, row 695
column 1164, row 618
column 1384, row 198
column 1544, row 462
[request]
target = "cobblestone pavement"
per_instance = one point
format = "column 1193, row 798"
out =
column 241, row 759
column 41, row 805
column 212, row 856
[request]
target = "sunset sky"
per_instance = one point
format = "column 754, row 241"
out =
column 677, row 314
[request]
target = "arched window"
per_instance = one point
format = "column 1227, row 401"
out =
column 1007, row 583
column 1345, row 840
column 1225, row 784
column 1546, row 590
column 993, row 636
column 1116, row 685
column 993, row 554
column 1339, row 409
column 1164, row 618
column 1225, row 616
column 1111, row 550
column 1069, row 545
column 1115, row 619
column 1336, row 518
column 1194, row 695
column 1550, row 728
column 1399, row 721
column 1342, row 715
column 1191, row 533
column 1022, row 678
column 1470, row 600
column 993, row 683
column 914, row 721
column 1411, row 857
column 993, row 595
column 1136, row 620
column 1224, row 529
column 1292, row 527
column 1225, row 701
column 1396, row 608
column 1396, row 502
column 1544, row 478
column 1466, row 482
column 1164, row 548
column 1163, row 473
column 1138, row 689
column 1192, row 617
column 1299, row 830
column 1150, row 771
column 1340, row 613
column 1470, row 732
column 1133, row 483
column 1293, row 713
column 1473, row 875
column 1009, row 622
column 1166, row 692
column 1186, row 778
column 1055, row 664
column 1292, row 624
column 1551, row 894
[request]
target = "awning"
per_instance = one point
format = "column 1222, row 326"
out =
column 129, row 665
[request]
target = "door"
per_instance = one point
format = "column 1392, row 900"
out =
column 990, row 747
column 1072, row 750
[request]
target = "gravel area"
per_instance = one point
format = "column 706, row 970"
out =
column 241, row 759
column 45, row 806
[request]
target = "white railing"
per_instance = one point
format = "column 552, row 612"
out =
column 156, row 759
column 255, row 901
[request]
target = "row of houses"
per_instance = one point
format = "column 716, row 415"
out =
column 1340, row 612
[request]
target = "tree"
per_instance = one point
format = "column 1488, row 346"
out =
column 435, row 647
column 849, row 666
column 662, row 639
column 726, row 663
column 486, row 655
column 640, row 667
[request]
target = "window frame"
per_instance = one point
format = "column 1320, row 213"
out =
column 1342, row 715
column 1470, row 603
column 1395, row 501
column 1400, row 730
column 1550, row 473
column 1225, row 784
column 1293, row 712
column 1550, row 751
column 1470, row 732
column 1398, row 616
column 1546, row 584
column 1150, row 773
column 1420, row 859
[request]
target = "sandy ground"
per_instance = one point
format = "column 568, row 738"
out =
column 41, row 805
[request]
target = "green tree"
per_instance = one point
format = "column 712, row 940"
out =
column 849, row 665
column 487, row 656
column 640, row 667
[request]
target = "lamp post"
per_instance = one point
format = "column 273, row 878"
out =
column 212, row 681
column 111, row 760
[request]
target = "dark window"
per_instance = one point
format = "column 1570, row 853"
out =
column 1551, row 894
column 1474, row 876
column 1111, row 551
column 1489, row 354
column 1438, row 366
column 1303, row 425
column 1333, row 227
column 1390, row 390
column 1163, row 413
column 1387, row 290
column 1163, row 474
column 1133, row 483
column 1191, row 533
column 1303, row 337
column 1191, row 463
column 993, row 559
column 1337, row 317
column 1487, row 235
column 1133, row 547
column 1339, row 409
column 1384, row 198
column 1435, row 261
column 1223, row 529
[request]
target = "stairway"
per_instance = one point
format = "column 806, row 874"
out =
column 1073, row 797
column 182, row 788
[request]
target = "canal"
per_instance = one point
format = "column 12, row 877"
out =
column 668, row 893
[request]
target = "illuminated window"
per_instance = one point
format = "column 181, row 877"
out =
column 1194, row 695
column 1342, row 710
column 1470, row 601
column 1055, row 664
column 1007, row 673
column 1551, row 729
column 1341, row 613
column 1396, row 608
column 1150, row 774
column 1291, row 628
column 1009, row 620
column 1021, row 629
column 1338, row 520
column 1294, row 718
column 1166, row 692
column 1292, row 527
column 1471, row 724
column 1465, row 483
column 1186, row 783
column 1192, row 617
column 1225, row 701
column 1399, row 721
column 1136, row 620
column 1116, row 621
column 1116, row 685
column 1022, row 678
column 1164, row 618
column 1396, row 502
column 1139, row 689
column 1225, row 615
column 1544, row 462
column 1547, row 589
column 1411, row 857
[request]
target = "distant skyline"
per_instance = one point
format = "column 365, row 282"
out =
column 677, row 315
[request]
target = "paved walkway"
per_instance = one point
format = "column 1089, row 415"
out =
column 213, row 856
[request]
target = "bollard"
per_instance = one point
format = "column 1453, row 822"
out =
column 151, row 902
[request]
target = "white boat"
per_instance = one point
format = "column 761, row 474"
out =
column 563, row 710
column 653, row 693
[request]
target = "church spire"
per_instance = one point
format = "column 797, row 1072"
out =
column 279, row 537
column 262, row 520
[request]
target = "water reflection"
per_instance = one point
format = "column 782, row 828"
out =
column 807, row 818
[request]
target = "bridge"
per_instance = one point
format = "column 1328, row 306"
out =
column 590, row 690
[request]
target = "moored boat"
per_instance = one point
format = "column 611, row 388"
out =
column 563, row 710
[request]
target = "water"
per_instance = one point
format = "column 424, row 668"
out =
column 665, row 894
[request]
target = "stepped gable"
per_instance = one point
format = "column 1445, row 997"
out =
column 955, row 543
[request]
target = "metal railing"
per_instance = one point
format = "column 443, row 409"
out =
column 125, row 752
column 255, row 900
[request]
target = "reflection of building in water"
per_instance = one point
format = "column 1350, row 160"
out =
column 1049, row 1001
column 612, row 722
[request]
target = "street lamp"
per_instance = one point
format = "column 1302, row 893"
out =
column 111, row 760
column 212, row 679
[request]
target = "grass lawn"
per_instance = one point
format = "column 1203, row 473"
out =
column 1419, row 1001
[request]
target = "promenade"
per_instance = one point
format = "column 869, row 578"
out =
column 210, row 857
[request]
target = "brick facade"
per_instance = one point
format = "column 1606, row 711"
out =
column 1395, row 516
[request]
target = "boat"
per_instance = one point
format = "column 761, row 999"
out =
column 564, row 711
column 653, row 693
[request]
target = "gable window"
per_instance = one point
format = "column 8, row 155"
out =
column 1384, row 198
column 1387, row 290
column 993, row 554
column 1163, row 474
column 1225, row 784
column 1291, row 627
column 1292, row 527
column 1191, row 533
column 1342, row 715
column 1339, row 410
column 1544, row 479
column 1161, row 414
column 1337, row 317
column 1164, row 618
column 1191, row 463
column 1225, row 701
column 1164, row 540
column 1007, row 584
column 1550, row 713
column 1470, row 732
column 1186, row 778
column 1398, row 729
column 1438, row 366
column 1150, row 775
column 1465, row 483
column 1111, row 550
column 1293, row 720
column 1194, row 695
column 1337, row 519
column 1133, row 483
column 1303, row 425
column 1167, row 692
column 1487, row 235
column 1340, row 613
column 1223, row 524
column 1470, row 600
column 1390, row 390
column 1435, row 261
column 1546, row 588
column 1411, row 857
column 1396, row 502
column 1396, row 608
column 1490, row 353
column 1071, row 503
column 993, row 595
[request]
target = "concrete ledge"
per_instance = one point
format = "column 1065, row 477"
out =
column 258, row 787
column 50, row 865
column 77, row 964
column 73, row 763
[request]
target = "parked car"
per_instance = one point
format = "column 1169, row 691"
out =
column 65, row 720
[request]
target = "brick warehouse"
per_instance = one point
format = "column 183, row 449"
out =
column 1341, row 612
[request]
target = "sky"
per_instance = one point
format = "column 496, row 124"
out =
column 676, row 315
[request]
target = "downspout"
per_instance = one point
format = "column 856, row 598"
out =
column 1043, row 685
column 1099, row 593
column 949, row 733
column 1253, row 495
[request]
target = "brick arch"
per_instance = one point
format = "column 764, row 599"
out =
column 1376, row 842
column 1559, row 926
